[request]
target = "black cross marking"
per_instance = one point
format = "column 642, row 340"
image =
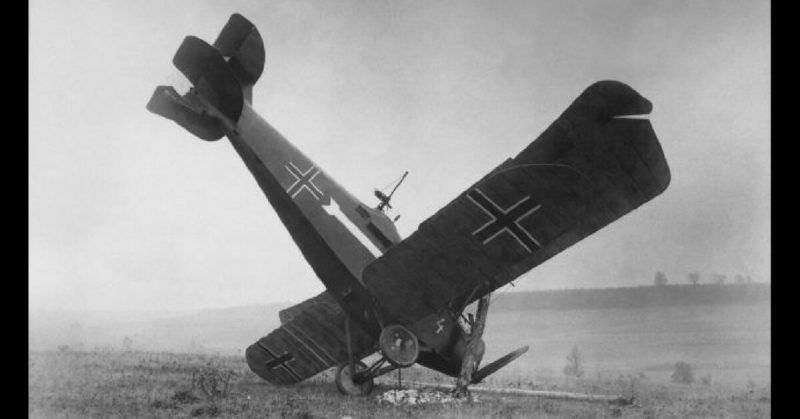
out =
column 505, row 221
column 303, row 180
column 280, row 362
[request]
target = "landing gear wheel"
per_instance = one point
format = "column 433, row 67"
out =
column 399, row 345
column 346, row 385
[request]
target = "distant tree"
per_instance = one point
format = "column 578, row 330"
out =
column 694, row 277
column 718, row 278
column 574, row 367
column 751, row 386
column 127, row 344
column 660, row 279
column 706, row 380
column 683, row 373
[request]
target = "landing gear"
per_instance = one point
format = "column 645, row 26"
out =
column 470, row 372
column 399, row 345
column 353, row 385
column 400, row 348
column 475, row 350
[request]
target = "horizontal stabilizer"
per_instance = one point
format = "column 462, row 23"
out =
column 241, row 44
column 169, row 104
column 205, row 67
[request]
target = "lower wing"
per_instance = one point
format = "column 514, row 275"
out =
column 310, row 340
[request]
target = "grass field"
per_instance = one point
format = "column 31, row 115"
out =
column 142, row 384
column 625, row 352
column 730, row 343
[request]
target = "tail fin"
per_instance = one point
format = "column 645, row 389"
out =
column 242, row 46
column 222, row 77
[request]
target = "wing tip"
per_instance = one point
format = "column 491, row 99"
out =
column 258, row 359
column 610, row 98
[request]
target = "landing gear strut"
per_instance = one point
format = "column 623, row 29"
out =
column 470, row 372
column 475, row 349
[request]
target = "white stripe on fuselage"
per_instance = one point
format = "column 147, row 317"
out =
column 335, row 210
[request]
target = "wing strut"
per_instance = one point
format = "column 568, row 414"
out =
column 349, row 348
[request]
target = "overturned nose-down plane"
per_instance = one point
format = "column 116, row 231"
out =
column 406, row 298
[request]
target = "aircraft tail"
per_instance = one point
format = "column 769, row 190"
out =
column 336, row 233
column 223, row 76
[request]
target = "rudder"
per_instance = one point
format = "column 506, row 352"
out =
column 241, row 43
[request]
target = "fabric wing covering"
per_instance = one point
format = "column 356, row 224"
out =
column 310, row 340
column 589, row 168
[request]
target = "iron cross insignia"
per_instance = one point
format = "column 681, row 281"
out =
column 505, row 220
column 439, row 326
column 281, row 363
column 303, row 181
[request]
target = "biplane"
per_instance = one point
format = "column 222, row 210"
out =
column 406, row 299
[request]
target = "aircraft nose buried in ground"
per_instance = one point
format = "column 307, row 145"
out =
column 406, row 298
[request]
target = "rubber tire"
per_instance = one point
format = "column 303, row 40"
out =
column 385, row 342
column 345, row 384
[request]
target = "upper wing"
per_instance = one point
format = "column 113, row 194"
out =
column 311, row 339
column 585, row 171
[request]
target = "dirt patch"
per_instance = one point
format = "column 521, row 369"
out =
column 412, row 397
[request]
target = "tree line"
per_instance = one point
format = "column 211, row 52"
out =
column 694, row 278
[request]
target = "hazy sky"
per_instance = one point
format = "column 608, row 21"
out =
column 130, row 211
